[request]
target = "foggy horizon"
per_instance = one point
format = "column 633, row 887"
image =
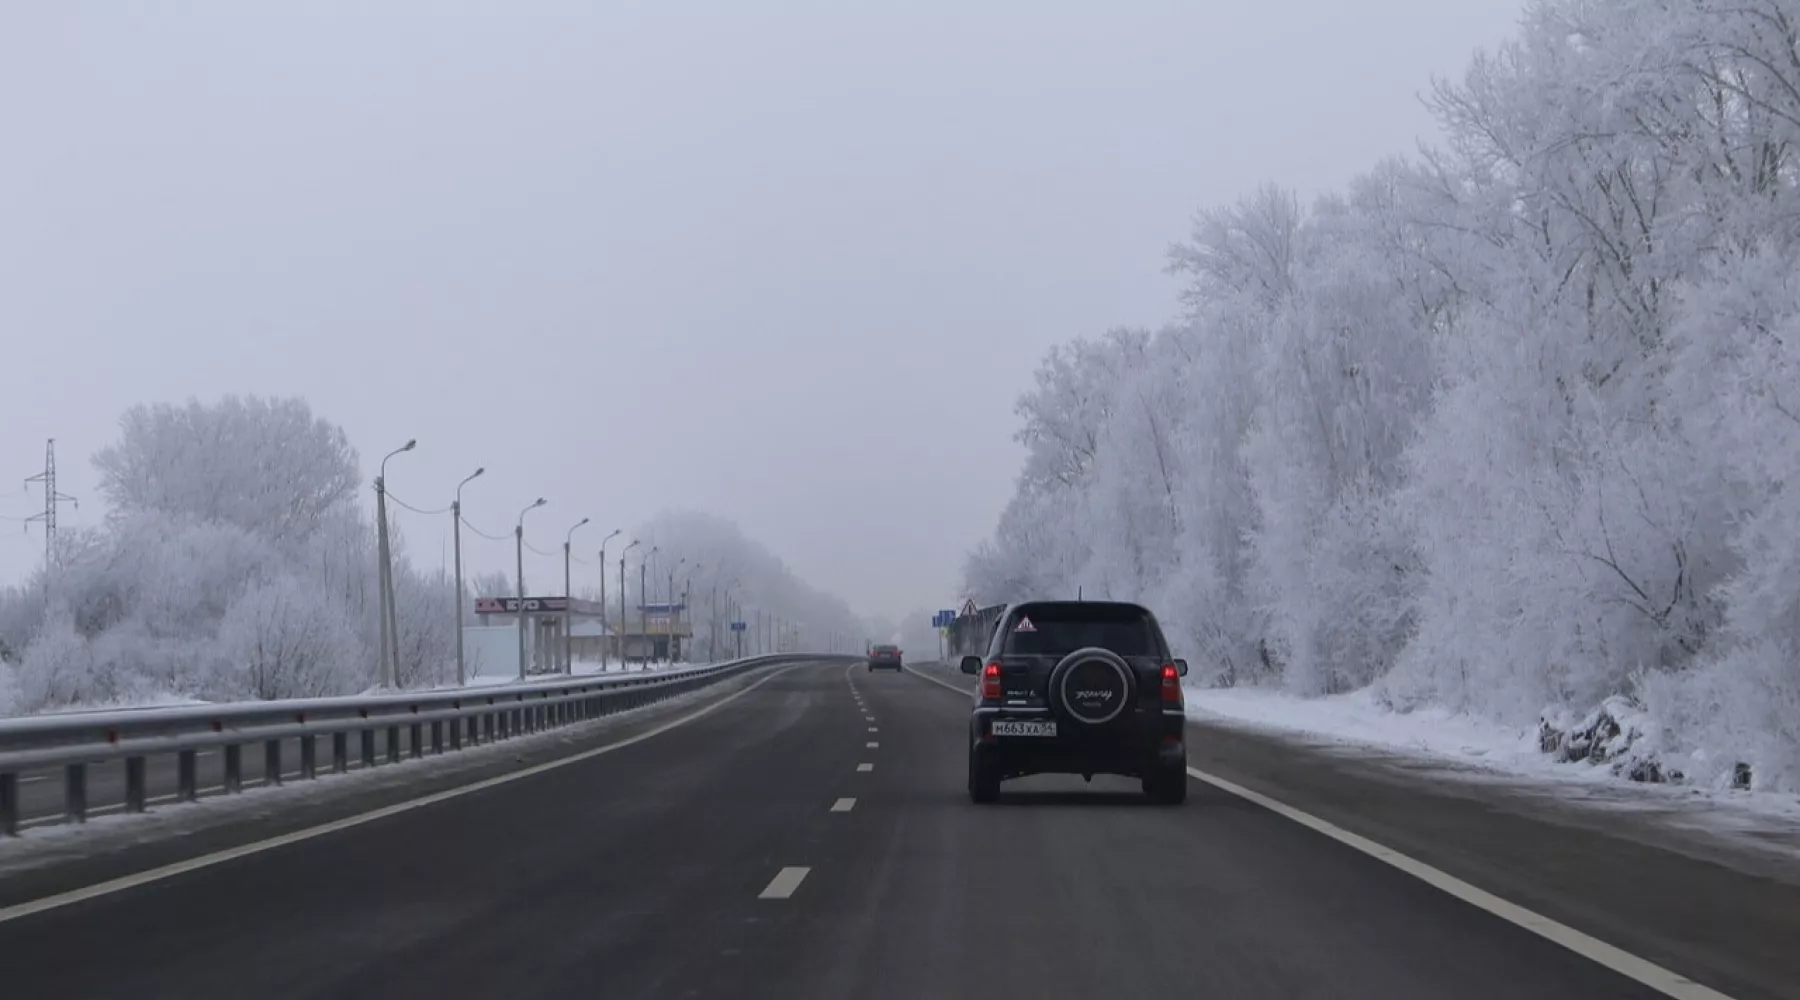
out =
column 791, row 267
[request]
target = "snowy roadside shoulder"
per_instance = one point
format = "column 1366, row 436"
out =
column 1480, row 750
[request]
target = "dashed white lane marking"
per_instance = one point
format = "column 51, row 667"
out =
column 784, row 883
column 872, row 744
column 124, row 882
column 1664, row 981
column 872, row 729
column 843, row 805
column 865, row 767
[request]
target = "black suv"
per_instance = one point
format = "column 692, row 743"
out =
column 1078, row 687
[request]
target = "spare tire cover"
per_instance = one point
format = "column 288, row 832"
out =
column 1091, row 686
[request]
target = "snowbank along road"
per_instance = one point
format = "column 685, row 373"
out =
column 806, row 833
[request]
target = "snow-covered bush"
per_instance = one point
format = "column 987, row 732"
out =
column 58, row 668
column 287, row 639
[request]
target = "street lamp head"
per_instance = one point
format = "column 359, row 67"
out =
column 540, row 502
column 634, row 544
column 410, row 444
column 615, row 533
column 477, row 472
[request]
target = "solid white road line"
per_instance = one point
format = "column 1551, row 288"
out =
column 843, row 805
column 865, row 767
column 1626, row 964
column 784, row 883
column 124, row 882
column 1648, row 973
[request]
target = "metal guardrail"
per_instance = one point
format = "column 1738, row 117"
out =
column 455, row 718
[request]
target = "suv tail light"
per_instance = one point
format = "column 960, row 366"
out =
column 990, row 681
column 1171, row 685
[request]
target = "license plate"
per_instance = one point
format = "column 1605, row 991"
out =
column 1024, row 727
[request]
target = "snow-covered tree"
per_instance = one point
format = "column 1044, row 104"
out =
column 1508, row 428
column 264, row 465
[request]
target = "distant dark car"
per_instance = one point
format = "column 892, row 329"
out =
column 1078, row 687
column 884, row 657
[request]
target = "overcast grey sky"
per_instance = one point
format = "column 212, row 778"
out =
column 787, row 262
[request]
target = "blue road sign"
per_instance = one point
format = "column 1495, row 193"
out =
column 739, row 626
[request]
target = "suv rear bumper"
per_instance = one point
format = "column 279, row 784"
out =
column 1151, row 741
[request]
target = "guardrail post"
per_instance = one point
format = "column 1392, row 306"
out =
column 487, row 725
column 309, row 757
column 393, row 744
column 415, row 740
column 234, row 768
column 75, row 792
column 340, row 752
column 368, row 748
column 134, row 784
column 456, row 733
column 271, row 762
column 9, row 805
column 437, row 736
column 187, row 776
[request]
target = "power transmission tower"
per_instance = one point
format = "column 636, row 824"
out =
column 51, row 499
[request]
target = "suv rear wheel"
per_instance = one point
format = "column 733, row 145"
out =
column 984, row 779
column 1166, row 785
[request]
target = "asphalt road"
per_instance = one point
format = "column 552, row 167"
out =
column 749, row 853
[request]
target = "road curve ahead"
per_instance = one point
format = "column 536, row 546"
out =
column 809, row 838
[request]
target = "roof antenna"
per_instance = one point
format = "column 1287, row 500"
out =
column 1078, row 593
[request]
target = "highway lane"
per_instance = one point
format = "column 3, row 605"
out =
column 749, row 853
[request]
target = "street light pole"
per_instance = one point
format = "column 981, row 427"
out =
column 568, row 650
column 687, row 588
column 622, row 625
column 462, row 677
column 390, row 643
column 519, row 556
column 674, row 616
column 603, row 630
column 644, row 604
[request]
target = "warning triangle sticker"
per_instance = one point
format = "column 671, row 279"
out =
column 1024, row 626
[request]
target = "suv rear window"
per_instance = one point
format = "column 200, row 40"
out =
column 886, row 649
column 1062, row 628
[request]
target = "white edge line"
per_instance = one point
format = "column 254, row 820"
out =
column 132, row 881
column 1624, row 963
